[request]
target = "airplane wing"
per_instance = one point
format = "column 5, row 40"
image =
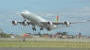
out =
column 61, row 23
column 56, row 23
column 67, row 23
column 84, row 21
column 22, row 23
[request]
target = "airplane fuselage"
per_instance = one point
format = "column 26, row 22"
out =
column 36, row 20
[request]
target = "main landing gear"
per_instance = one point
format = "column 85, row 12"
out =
column 41, row 28
column 33, row 28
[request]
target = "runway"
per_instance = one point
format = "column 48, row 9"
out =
column 44, row 48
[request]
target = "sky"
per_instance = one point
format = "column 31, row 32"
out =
column 68, row 10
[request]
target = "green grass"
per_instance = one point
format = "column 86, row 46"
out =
column 50, row 44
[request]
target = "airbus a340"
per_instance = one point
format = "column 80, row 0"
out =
column 32, row 19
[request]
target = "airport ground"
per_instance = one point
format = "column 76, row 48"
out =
column 44, row 43
column 44, row 49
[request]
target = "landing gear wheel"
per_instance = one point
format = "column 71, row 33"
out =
column 34, row 29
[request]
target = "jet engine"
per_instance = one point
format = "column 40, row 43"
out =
column 50, row 23
column 49, row 26
column 67, row 23
column 14, row 22
column 24, row 23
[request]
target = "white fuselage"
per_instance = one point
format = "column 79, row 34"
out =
column 34, row 19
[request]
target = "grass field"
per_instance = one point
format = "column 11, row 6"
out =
column 49, row 44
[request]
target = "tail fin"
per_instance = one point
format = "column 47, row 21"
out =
column 57, row 18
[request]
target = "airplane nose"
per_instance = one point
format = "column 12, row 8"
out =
column 25, row 12
column 22, row 13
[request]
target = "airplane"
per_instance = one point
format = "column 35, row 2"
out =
column 35, row 20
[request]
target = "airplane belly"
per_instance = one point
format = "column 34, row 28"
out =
column 35, row 21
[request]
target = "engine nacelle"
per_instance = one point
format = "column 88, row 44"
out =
column 67, row 23
column 50, row 23
column 50, row 26
column 14, row 22
column 24, row 23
